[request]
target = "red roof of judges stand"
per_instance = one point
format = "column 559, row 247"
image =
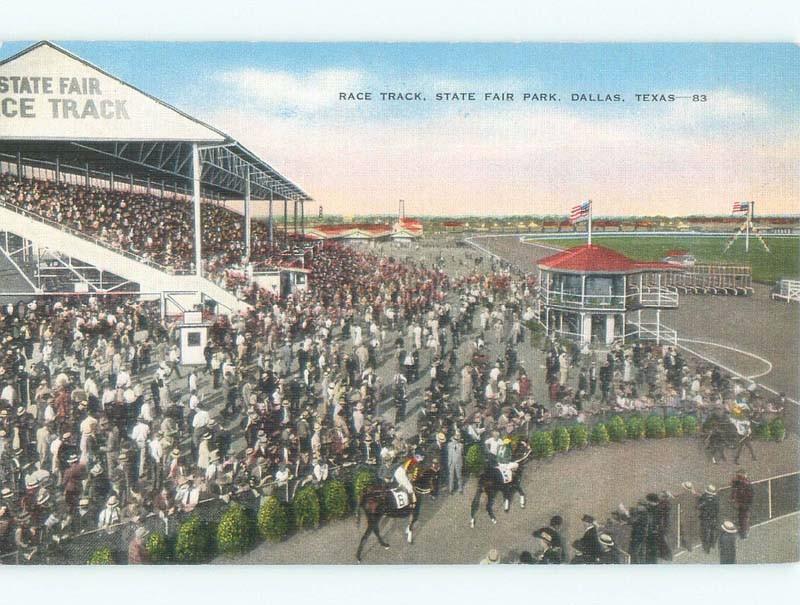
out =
column 597, row 259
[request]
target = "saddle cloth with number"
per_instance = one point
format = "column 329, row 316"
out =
column 507, row 471
column 401, row 498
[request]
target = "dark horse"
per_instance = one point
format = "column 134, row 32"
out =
column 491, row 481
column 378, row 501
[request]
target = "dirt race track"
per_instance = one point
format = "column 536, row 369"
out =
column 592, row 481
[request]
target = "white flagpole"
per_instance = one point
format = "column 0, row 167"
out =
column 590, row 222
column 749, row 220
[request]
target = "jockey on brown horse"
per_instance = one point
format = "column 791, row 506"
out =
column 383, row 500
column 503, row 475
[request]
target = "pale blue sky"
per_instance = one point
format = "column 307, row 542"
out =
column 280, row 99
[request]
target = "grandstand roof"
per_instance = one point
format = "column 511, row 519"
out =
column 64, row 107
column 597, row 259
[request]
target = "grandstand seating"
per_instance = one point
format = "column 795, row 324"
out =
column 143, row 238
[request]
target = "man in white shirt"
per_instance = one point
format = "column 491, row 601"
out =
column 139, row 435
column 123, row 378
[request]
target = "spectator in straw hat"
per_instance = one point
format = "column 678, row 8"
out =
column 109, row 516
column 492, row 557
column 727, row 543
column 708, row 512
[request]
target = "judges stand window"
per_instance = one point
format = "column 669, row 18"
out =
column 193, row 339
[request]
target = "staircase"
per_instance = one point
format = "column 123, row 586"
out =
column 154, row 280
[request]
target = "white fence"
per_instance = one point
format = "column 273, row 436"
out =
column 788, row 290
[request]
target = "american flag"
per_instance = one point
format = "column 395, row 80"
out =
column 741, row 207
column 579, row 212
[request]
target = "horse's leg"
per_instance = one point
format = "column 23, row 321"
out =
column 506, row 490
column 411, row 520
column 364, row 538
column 375, row 523
column 490, row 493
column 518, row 487
column 476, row 502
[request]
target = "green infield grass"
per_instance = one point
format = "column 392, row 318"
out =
column 783, row 260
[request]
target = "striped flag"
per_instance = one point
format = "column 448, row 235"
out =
column 741, row 207
column 580, row 212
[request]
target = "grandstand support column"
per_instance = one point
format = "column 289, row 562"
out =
column 303, row 219
column 198, row 252
column 19, row 165
column 86, row 175
column 285, row 222
column 295, row 219
column 271, row 232
column 131, row 182
column 58, row 169
column 247, row 213
column 112, row 181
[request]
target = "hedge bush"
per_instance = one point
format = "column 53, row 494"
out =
column 235, row 532
column 689, row 426
column 195, row 543
column 158, row 548
column 561, row 440
column 273, row 520
column 305, row 508
column 364, row 479
column 578, row 436
column 654, row 427
column 762, row 431
column 616, row 429
column 475, row 460
column 599, row 434
column 101, row 556
column 777, row 429
column 634, row 427
column 542, row 444
column 334, row 500
column 673, row 426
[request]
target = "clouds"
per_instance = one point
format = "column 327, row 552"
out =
column 282, row 92
column 484, row 158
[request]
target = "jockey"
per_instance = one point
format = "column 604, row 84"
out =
column 504, row 451
column 504, row 462
column 401, row 476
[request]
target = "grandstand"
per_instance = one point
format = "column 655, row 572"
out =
column 105, row 189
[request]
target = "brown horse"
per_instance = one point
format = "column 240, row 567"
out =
column 379, row 501
column 491, row 481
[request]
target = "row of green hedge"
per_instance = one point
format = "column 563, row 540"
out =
column 544, row 444
column 198, row 541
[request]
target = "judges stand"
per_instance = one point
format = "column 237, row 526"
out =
column 193, row 338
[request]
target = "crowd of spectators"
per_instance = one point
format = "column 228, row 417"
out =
column 157, row 229
column 379, row 359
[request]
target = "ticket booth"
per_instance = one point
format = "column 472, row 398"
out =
column 193, row 338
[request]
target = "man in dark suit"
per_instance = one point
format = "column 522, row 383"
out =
column 708, row 510
column 588, row 545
